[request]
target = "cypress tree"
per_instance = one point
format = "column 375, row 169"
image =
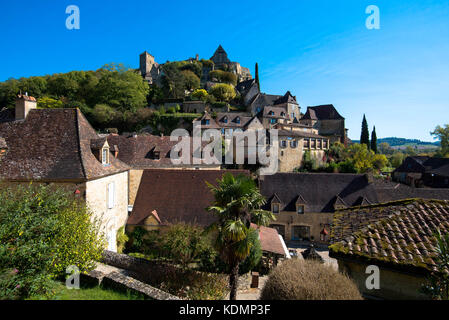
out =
column 257, row 75
column 364, row 138
column 374, row 140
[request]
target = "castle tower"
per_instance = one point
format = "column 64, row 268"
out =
column 220, row 57
column 24, row 103
column 149, row 68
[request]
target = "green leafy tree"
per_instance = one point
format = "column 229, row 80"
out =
column 384, row 148
column 364, row 137
column 49, row 103
column 438, row 283
column 396, row 159
column 103, row 114
column 237, row 204
column 43, row 230
column 191, row 80
column 442, row 134
column 374, row 140
column 223, row 92
column 379, row 161
column 123, row 90
column 199, row 94
column 223, row 76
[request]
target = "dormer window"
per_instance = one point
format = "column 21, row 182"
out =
column 275, row 207
column 271, row 113
column 282, row 114
column 300, row 209
column 237, row 120
column 157, row 155
column 225, row 119
column 105, row 156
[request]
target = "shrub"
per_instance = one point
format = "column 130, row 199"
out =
column 183, row 243
column 43, row 230
column 224, row 76
column 308, row 280
column 122, row 238
column 223, row 92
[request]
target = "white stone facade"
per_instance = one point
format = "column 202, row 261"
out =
column 107, row 197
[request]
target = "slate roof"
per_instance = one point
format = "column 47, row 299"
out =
column 138, row 151
column 398, row 234
column 232, row 118
column 275, row 112
column 262, row 100
column 176, row 195
column 319, row 190
column 244, row 86
column 420, row 164
column 323, row 112
column 287, row 98
column 391, row 191
column 52, row 145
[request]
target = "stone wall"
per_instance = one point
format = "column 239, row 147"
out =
column 315, row 221
column 393, row 284
column 134, row 181
column 292, row 158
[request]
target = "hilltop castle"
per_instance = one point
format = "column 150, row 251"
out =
column 151, row 71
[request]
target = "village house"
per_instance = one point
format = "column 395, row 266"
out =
column 181, row 196
column 60, row 147
column 327, row 121
column 304, row 203
column 422, row 171
column 397, row 237
column 294, row 141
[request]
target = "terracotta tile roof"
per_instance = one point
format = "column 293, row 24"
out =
column 138, row 151
column 176, row 195
column 26, row 97
column 269, row 240
column 399, row 234
column 52, row 144
column 324, row 112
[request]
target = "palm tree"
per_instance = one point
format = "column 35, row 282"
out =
column 237, row 204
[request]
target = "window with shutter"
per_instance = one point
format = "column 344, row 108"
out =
column 111, row 195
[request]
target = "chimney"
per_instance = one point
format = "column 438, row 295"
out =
column 115, row 151
column 24, row 103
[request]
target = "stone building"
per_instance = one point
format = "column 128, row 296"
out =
column 149, row 68
column 221, row 61
column 59, row 146
column 327, row 121
column 423, row 171
column 303, row 203
column 295, row 141
column 397, row 237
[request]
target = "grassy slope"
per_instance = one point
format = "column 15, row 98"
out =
column 95, row 293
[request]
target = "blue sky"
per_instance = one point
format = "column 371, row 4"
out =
column 319, row 50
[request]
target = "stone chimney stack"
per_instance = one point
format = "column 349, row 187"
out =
column 24, row 103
